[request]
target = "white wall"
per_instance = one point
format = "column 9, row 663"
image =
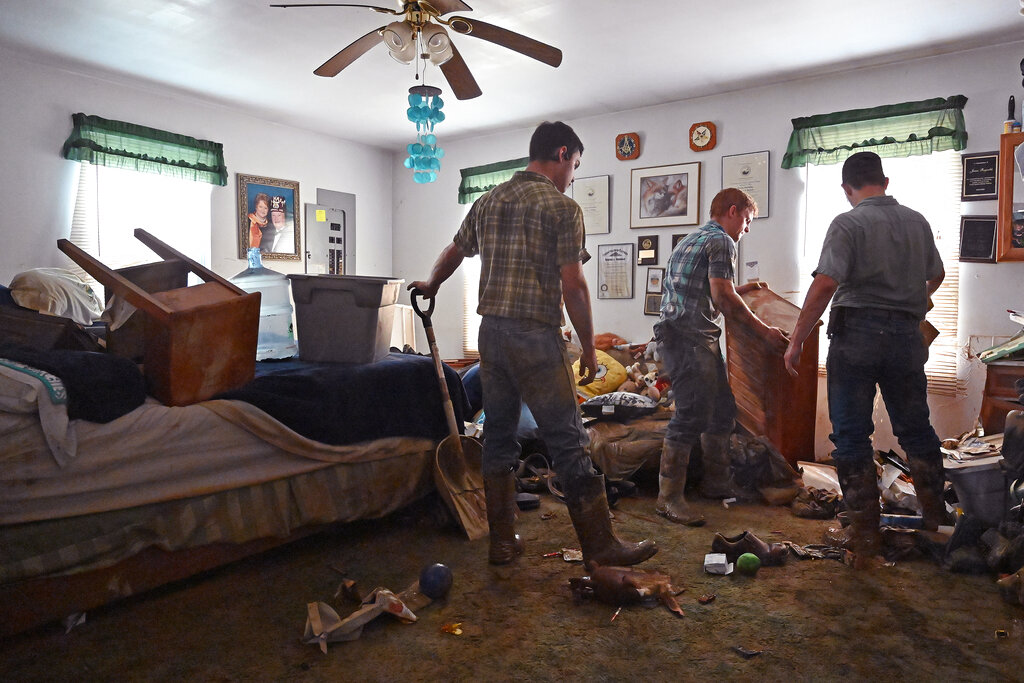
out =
column 426, row 217
column 35, row 118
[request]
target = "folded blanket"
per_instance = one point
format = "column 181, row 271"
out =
column 342, row 403
column 101, row 387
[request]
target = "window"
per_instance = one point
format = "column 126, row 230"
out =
column 112, row 202
column 133, row 176
column 930, row 184
column 470, row 318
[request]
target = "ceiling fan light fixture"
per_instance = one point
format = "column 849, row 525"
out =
column 437, row 45
column 400, row 40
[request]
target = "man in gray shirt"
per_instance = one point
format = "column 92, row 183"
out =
column 878, row 266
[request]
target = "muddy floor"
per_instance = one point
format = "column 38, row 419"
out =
column 809, row 620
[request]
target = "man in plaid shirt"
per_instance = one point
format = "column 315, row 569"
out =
column 529, row 236
column 698, row 290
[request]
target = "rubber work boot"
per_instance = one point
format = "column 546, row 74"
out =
column 859, row 481
column 929, row 481
column 672, row 505
column 588, row 508
column 500, row 494
column 717, row 481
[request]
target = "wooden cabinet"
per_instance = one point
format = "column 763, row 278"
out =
column 1000, row 394
column 769, row 401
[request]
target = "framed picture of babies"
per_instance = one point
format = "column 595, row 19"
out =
column 665, row 195
column 268, row 217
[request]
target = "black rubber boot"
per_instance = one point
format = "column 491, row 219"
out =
column 500, row 493
column 859, row 482
column 929, row 482
column 588, row 508
column 672, row 505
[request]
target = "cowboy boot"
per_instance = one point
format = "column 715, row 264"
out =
column 675, row 458
column 588, row 508
column 859, row 482
column 717, row 481
column 929, row 481
column 500, row 494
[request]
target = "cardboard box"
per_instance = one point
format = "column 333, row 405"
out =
column 344, row 318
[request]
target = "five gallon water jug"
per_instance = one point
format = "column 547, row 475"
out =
column 276, row 338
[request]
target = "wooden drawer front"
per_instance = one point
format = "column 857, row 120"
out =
column 1000, row 380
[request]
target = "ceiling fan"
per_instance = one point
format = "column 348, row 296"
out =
column 423, row 28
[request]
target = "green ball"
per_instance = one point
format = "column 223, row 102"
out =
column 748, row 563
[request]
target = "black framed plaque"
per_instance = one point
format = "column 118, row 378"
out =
column 980, row 176
column 978, row 239
column 647, row 250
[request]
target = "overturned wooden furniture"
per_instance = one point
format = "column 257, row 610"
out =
column 770, row 402
column 199, row 340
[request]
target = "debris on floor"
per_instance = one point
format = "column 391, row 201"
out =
column 624, row 586
column 324, row 625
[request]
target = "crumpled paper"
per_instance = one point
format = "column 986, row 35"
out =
column 324, row 625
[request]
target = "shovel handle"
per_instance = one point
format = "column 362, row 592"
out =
column 446, row 399
column 424, row 315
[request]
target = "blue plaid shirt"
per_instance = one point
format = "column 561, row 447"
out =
column 686, row 305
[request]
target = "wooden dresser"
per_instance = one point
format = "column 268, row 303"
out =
column 1000, row 395
column 769, row 401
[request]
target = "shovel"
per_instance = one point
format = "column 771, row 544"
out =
column 457, row 460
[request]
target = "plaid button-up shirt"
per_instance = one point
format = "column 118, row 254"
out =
column 524, row 230
column 686, row 304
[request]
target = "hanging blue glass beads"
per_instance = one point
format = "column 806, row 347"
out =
column 424, row 110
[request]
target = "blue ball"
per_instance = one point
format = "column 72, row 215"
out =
column 435, row 581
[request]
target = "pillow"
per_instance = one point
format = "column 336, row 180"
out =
column 610, row 374
column 619, row 405
column 57, row 292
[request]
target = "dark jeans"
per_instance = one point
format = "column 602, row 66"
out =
column 526, row 361
column 870, row 348
column 700, row 385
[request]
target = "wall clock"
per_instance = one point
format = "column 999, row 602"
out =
column 627, row 146
column 702, row 136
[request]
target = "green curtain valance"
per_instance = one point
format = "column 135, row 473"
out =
column 480, row 179
column 126, row 145
column 893, row 130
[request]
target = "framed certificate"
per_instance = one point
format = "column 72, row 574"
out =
column 748, row 172
column 592, row 196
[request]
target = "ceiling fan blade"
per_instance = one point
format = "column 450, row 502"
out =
column 445, row 6
column 457, row 74
column 386, row 10
column 514, row 41
column 349, row 54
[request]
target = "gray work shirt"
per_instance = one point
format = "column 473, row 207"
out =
column 882, row 255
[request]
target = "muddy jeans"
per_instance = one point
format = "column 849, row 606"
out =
column 872, row 347
column 700, row 385
column 526, row 361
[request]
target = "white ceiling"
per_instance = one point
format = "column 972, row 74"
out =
column 618, row 54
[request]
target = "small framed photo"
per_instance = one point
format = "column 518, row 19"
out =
column 615, row 271
column 647, row 250
column 655, row 279
column 665, row 195
column 652, row 303
column 978, row 239
column 980, row 176
column 268, row 217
